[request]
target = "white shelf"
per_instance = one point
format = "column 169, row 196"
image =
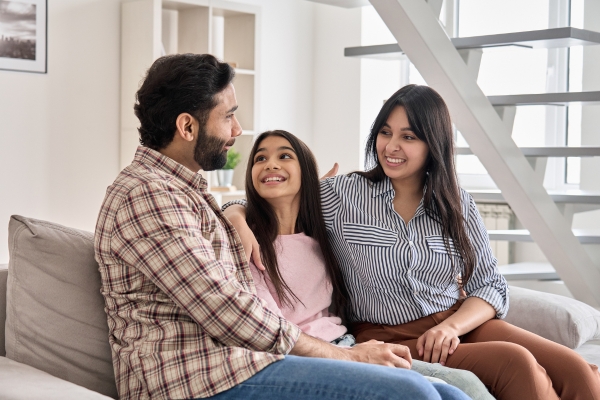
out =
column 241, row 71
column 223, row 197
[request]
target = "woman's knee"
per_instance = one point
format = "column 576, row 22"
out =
column 518, row 355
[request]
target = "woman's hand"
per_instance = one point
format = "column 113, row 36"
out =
column 437, row 343
column 236, row 214
column 332, row 172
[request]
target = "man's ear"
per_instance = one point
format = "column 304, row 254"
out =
column 186, row 127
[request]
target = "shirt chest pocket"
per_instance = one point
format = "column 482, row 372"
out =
column 369, row 235
column 438, row 246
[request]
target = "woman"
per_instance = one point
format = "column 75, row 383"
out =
column 302, row 281
column 408, row 239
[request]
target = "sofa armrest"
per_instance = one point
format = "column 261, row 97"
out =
column 21, row 382
column 3, row 277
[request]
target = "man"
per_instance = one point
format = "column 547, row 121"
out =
column 183, row 316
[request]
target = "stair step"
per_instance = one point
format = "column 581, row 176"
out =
column 587, row 151
column 344, row 3
column 585, row 236
column 558, row 196
column 528, row 271
column 557, row 99
column 546, row 38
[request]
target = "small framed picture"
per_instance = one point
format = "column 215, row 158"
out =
column 23, row 35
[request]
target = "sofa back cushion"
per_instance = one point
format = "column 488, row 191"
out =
column 560, row 319
column 55, row 313
column 3, row 277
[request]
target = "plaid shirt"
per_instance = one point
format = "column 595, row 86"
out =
column 184, row 320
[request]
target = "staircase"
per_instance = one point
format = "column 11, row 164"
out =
column 451, row 67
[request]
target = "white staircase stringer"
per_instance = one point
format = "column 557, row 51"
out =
column 424, row 41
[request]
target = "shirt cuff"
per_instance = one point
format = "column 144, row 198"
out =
column 241, row 202
column 290, row 333
column 492, row 296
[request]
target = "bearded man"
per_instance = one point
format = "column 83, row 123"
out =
column 184, row 319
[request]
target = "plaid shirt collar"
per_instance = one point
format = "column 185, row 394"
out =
column 147, row 156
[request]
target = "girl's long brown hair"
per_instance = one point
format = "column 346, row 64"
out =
column 429, row 119
column 262, row 220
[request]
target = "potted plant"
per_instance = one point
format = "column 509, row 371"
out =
column 225, row 174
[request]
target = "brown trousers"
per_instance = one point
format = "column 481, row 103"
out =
column 513, row 363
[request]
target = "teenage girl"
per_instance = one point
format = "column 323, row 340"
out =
column 302, row 282
column 409, row 240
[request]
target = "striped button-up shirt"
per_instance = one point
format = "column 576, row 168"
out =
column 398, row 272
column 184, row 320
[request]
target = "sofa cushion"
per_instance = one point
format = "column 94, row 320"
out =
column 22, row 382
column 558, row 318
column 55, row 313
column 590, row 351
column 3, row 276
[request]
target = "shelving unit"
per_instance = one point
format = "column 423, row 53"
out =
column 228, row 30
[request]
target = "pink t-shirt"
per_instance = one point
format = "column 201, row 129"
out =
column 302, row 267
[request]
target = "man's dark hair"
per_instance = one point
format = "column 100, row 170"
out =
column 176, row 84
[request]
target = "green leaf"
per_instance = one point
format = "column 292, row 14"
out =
column 233, row 159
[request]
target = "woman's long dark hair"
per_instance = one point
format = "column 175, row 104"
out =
column 429, row 119
column 264, row 223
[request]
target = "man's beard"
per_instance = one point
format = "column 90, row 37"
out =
column 209, row 152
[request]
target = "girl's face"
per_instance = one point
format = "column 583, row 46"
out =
column 402, row 155
column 276, row 173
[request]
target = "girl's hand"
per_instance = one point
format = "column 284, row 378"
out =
column 437, row 343
column 236, row 214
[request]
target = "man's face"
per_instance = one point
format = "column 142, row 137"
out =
column 218, row 135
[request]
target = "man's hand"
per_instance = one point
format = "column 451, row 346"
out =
column 376, row 352
column 437, row 343
column 332, row 172
column 372, row 352
column 236, row 214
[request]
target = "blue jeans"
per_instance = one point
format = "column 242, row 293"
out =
column 305, row 378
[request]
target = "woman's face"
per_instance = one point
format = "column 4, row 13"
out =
column 276, row 173
column 402, row 155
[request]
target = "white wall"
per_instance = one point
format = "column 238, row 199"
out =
column 59, row 131
column 336, row 88
column 286, row 62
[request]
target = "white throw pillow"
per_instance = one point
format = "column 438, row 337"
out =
column 558, row 318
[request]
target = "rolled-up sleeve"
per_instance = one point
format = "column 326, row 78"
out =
column 164, row 235
column 486, row 282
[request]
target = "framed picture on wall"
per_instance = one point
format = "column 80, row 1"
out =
column 23, row 35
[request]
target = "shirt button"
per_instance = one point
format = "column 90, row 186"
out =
column 410, row 242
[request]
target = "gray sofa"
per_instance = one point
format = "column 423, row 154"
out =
column 54, row 344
